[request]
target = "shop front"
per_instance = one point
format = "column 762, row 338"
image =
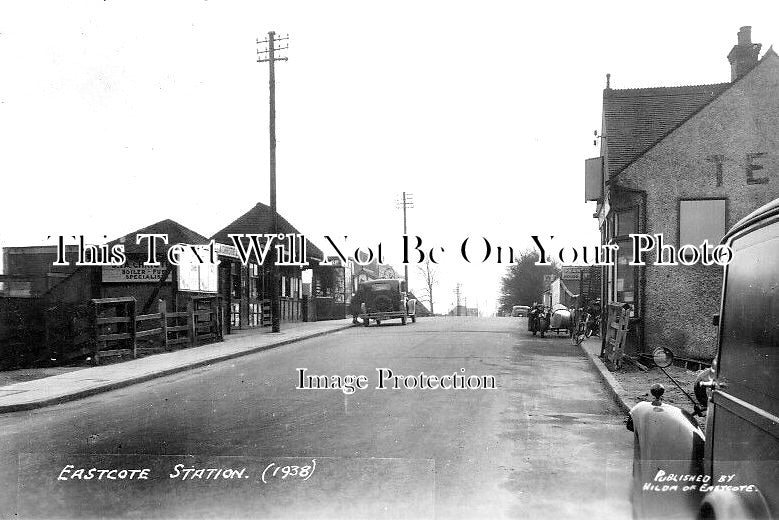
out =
column 245, row 290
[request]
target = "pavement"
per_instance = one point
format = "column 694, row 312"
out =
column 69, row 383
column 630, row 385
column 592, row 348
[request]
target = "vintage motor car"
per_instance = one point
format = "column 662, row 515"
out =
column 386, row 299
column 733, row 470
column 520, row 311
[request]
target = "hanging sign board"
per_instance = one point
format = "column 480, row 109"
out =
column 225, row 250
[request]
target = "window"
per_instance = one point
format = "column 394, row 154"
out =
column 626, row 278
column 235, row 274
column 235, row 315
column 626, row 222
column 255, row 316
column 254, row 281
column 701, row 220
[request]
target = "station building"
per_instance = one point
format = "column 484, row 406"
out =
column 245, row 289
column 686, row 162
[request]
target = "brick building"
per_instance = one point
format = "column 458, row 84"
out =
column 687, row 162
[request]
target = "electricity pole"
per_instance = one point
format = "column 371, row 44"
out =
column 407, row 202
column 457, row 292
column 272, row 59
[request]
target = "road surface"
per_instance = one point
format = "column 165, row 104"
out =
column 238, row 439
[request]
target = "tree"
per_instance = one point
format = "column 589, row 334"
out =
column 429, row 277
column 523, row 283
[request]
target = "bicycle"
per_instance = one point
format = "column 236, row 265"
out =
column 583, row 328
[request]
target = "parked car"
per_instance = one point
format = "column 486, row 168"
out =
column 520, row 310
column 386, row 299
column 735, row 465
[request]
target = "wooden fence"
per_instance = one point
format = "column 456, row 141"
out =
column 115, row 328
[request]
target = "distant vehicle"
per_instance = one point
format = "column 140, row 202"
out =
column 741, row 392
column 520, row 310
column 560, row 320
column 385, row 299
column 538, row 319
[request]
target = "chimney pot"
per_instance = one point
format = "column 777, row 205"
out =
column 744, row 55
column 745, row 35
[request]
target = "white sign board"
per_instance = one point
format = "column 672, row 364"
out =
column 572, row 272
column 225, row 250
column 134, row 272
column 197, row 276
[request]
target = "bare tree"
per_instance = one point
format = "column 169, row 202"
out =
column 429, row 277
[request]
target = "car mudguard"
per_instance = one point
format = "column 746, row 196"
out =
column 725, row 505
column 666, row 443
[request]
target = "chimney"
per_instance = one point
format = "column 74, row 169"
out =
column 743, row 56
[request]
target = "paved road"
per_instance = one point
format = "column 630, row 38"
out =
column 548, row 442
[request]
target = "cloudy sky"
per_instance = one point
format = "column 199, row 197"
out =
column 117, row 114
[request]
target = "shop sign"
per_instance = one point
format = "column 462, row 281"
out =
column 134, row 272
column 225, row 250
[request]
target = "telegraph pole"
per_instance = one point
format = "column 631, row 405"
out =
column 271, row 59
column 407, row 202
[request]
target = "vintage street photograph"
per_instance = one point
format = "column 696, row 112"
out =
column 407, row 260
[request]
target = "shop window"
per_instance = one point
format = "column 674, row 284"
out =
column 626, row 222
column 254, row 281
column 626, row 279
column 255, row 315
column 235, row 315
column 701, row 220
column 235, row 274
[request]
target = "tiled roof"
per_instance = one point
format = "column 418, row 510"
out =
column 636, row 119
column 177, row 234
column 259, row 219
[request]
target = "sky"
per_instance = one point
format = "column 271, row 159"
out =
column 117, row 114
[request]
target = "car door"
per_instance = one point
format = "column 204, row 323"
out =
column 743, row 440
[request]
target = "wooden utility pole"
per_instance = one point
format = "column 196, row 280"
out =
column 272, row 59
column 407, row 202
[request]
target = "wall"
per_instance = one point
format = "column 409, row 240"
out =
column 679, row 301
